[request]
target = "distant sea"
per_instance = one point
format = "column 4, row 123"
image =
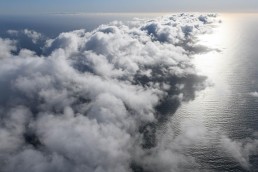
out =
column 53, row 24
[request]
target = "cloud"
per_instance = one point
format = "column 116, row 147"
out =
column 91, row 101
column 253, row 94
column 35, row 36
column 6, row 47
column 170, row 153
column 27, row 39
column 240, row 150
column 13, row 32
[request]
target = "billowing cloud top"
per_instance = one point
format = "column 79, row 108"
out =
column 91, row 101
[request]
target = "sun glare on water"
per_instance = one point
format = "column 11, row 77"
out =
column 216, row 42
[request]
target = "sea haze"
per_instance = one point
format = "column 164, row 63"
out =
column 129, row 92
column 53, row 24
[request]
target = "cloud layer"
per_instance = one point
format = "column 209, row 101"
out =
column 92, row 101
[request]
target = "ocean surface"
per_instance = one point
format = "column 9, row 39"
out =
column 53, row 24
column 227, row 107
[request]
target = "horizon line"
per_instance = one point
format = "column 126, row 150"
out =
column 130, row 13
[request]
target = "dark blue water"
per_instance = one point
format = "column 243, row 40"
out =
column 53, row 24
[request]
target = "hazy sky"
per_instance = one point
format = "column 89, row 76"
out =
column 46, row 6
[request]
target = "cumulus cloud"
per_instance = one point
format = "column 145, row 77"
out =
column 240, row 150
column 27, row 39
column 91, row 101
column 170, row 152
column 253, row 94
column 33, row 35
column 6, row 47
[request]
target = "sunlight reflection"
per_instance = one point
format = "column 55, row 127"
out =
column 208, row 63
column 212, row 64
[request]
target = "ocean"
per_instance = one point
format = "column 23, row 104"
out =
column 229, row 105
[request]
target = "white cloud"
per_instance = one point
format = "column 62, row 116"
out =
column 240, row 150
column 35, row 36
column 254, row 94
column 6, row 46
column 81, row 103
column 13, row 32
column 170, row 154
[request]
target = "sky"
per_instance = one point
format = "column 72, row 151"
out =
column 68, row 6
